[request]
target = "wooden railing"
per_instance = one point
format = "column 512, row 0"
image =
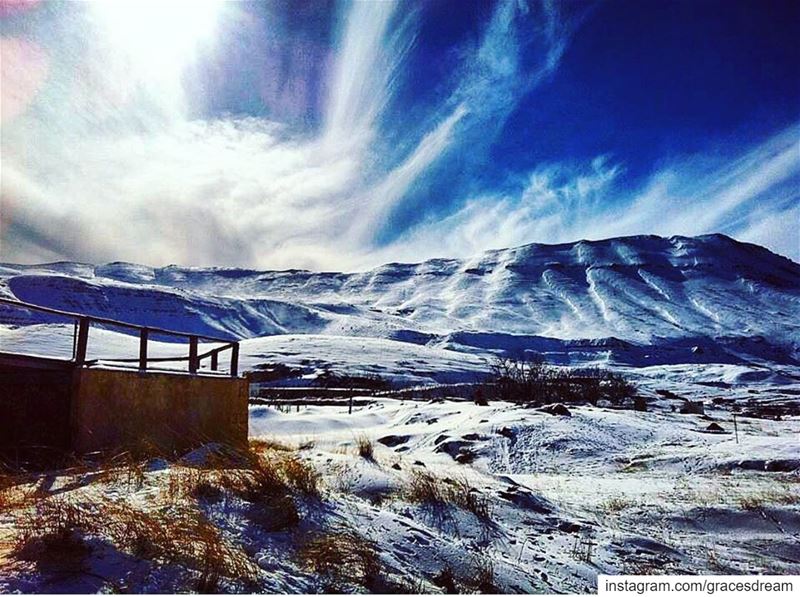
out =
column 80, row 341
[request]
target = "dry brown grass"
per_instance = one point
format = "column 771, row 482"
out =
column 779, row 495
column 263, row 444
column 15, row 491
column 269, row 483
column 365, row 448
column 301, row 476
column 173, row 530
column 441, row 493
column 341, row 557
column 54, row 528
column 264, row 471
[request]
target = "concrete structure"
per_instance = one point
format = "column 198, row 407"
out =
column 165, row 411
column 49, row 404
column 34, row 402
column 84, row 406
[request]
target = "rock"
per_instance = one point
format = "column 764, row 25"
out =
column 691, row 407
column 471, row 436
column 396, row 466
column 556, row 410
column 453, row 447
column 640, row 403
column 786, row 465
column 506, row 432
column 565, row 526
column 466, row 456
column 715, row 428
column 393, row 440
column 440, row 439
column 526, row 500
column 751, row 465
column 419, row 463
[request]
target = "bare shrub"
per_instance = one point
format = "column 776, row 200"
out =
column 446, row 580
column 482, row 577
column 341, row 556
column 467, row 497
column 531, row 381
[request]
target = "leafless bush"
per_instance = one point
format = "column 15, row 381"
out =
column 446, row 580
column 532, row 381
column 482, row 577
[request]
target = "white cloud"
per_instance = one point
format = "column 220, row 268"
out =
column 103, row 167
column 753, row 196
column 110, row 166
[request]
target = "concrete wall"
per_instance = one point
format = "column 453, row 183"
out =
column 34, row 406
column 114, row 409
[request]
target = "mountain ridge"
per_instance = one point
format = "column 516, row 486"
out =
column 643, row 290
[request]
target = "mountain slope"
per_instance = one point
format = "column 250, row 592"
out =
column 693, row 293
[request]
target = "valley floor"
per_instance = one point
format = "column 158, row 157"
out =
column 420, row 496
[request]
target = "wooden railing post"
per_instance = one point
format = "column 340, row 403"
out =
column 83, row 340
column 193, row 354
column 214, row 361
column 235, row 359
column 143, row 333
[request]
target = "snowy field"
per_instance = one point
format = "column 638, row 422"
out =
column 560, row 499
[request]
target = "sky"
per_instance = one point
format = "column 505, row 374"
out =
column 342, row 135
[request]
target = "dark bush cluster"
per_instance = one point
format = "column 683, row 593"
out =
column 329, row 379
column 533, row 381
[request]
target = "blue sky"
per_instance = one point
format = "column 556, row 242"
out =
column 341, row 135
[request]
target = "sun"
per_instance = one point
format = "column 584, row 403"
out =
column 157, row 36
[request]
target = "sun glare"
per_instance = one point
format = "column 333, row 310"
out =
column 158, row 36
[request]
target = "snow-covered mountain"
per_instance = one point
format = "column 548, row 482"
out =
column 642, row 299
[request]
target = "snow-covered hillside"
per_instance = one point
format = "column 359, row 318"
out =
column 635, row 300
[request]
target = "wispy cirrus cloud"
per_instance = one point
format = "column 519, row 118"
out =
column 108, row 156
column 126, row 173
column 753, row 196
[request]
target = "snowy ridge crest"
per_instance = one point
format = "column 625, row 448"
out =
column 707, row 297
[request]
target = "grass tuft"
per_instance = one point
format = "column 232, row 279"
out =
column 365, row 447
column 442, row 493
column 178, row 536
column 341, row 557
